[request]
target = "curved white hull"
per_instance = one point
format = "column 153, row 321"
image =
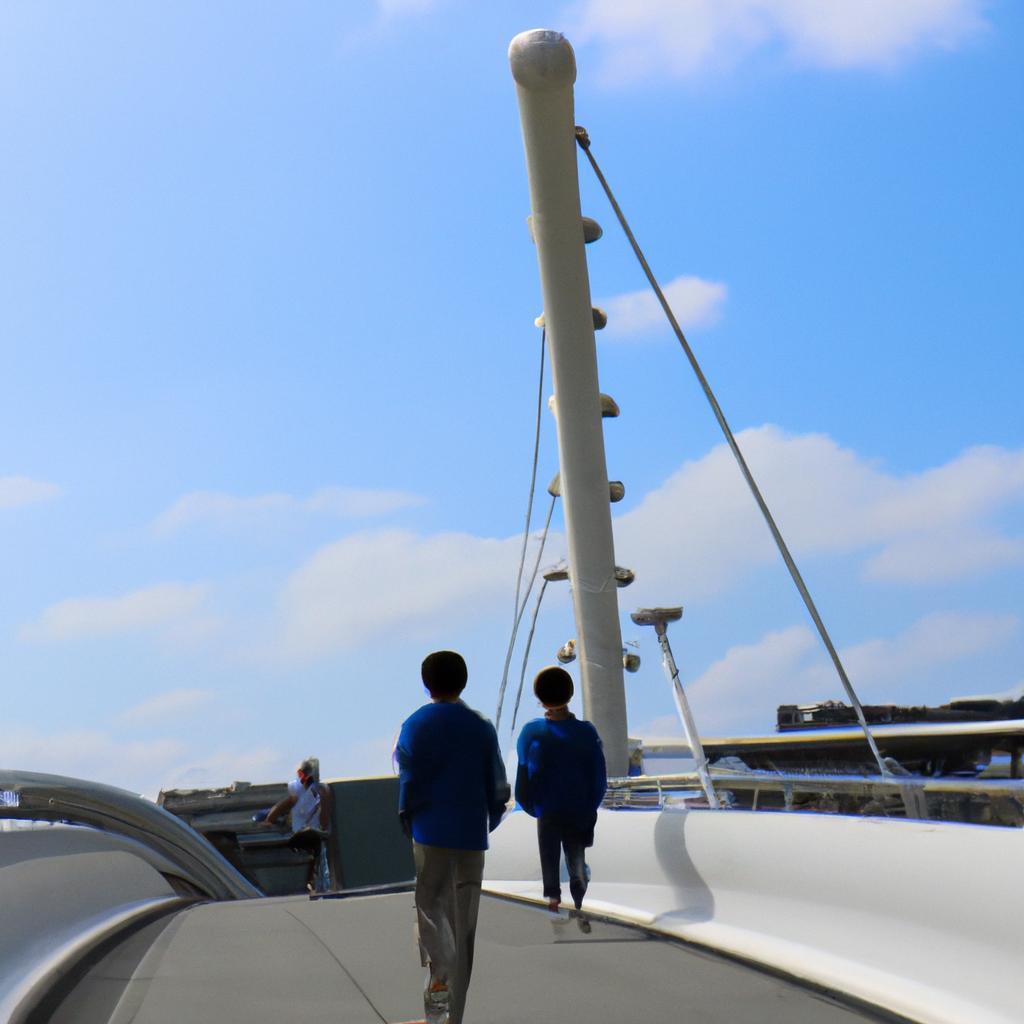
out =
column 921, row 918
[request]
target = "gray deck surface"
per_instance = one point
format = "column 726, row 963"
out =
column 355, row 960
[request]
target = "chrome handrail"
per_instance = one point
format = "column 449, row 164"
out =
column 36, row 796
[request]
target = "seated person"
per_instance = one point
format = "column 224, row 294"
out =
column 310, row 805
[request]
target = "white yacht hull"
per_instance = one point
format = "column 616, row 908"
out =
column 921, row 918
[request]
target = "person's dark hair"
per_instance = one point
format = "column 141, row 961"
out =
column 444, row 673
column 553, row 686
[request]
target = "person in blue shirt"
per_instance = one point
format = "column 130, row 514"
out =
column 452, row 793
column 560, row 781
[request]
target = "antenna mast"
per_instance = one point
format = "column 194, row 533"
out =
column 544, row 68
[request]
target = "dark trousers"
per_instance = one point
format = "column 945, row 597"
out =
column 308, row 841
column 555, row 835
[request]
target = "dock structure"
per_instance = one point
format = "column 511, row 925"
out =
column 365, row 845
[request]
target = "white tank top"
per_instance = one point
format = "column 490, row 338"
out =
column 306, row 809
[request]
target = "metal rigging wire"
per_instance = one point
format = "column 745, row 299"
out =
column 533, row 475
column 533, row 621
column 521, row 599
column 526, row 657
column 583, row 139
column 519, row 619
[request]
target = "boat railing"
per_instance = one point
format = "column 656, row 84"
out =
column 33, row 796
column 979, row 801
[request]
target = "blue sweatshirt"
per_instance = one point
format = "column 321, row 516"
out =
column 561, row 769
column 451, row 777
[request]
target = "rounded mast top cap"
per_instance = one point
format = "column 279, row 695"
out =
column 542, row 59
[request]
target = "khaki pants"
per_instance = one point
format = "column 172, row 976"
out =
column 447, row 902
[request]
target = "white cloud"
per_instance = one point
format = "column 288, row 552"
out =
column 164, row 605
column 160, row 763
column 700, row 531
column 223, row 509
column 1013, row 693
column 662, row 727
column 703, row 528
column 696, row 303
column 934, row 640
column 742, row 690
column 356, row 503
column 94, row 755
column 936, row 557
column 369, row 583
column 229, row 511
column 962, row 489
column 166, row 705
column 210, row 769
column 16, row 491
column 140, row 766
column 875, row 32
column 681, row 38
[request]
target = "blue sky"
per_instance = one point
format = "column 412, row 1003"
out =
column 269, row 363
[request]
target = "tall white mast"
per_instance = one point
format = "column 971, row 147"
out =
column 544, row 67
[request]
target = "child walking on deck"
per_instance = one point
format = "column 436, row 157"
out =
column 560, row 781
column 452, row 793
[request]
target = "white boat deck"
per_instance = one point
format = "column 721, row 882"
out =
column 355, row 960
column 106, row 927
